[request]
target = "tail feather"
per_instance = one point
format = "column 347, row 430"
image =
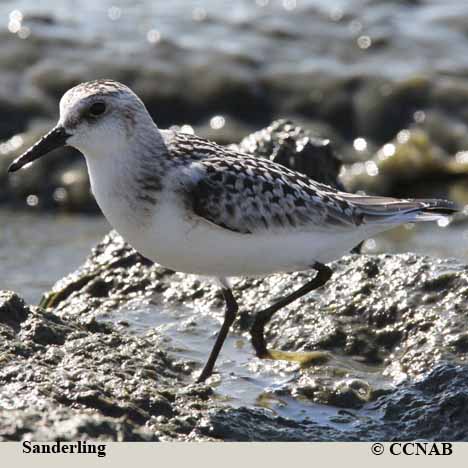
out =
column 386, row 210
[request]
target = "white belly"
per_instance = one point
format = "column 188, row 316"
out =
column 192, row 245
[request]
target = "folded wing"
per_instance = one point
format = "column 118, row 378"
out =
column 248, row 195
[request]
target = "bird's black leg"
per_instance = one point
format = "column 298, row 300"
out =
column 229, row 317
column 263, row 317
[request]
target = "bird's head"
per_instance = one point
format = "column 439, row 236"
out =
column 96, row 117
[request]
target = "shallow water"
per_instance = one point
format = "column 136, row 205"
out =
column 37, row 249
column 281, row 31
column 242, row 380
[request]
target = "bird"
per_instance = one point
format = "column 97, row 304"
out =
column 197, row 207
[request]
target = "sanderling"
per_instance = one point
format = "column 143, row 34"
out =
column 197, row 207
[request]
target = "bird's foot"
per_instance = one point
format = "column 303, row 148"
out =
column 304, row 358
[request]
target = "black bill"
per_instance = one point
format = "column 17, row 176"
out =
column 56, row 138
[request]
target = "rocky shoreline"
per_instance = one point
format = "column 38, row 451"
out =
column 70, row 371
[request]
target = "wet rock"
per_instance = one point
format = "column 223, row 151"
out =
column 383, row 107
column 288, row 144
column 67, row 425
column 444, row 131
column 433, row 408
column 450, row 94
column 244, row 425
column 13, row 311
column 56, row 378
column 113, row 274
column 335, row 390
column 383, row 310
column 411, row 165
column 315, row 93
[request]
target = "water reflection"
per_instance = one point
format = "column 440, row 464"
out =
column 15, row 25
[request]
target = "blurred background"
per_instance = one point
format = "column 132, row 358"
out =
column 385, row 81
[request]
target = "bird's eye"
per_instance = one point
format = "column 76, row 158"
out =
column 97, row 108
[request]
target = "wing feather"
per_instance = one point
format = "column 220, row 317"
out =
column 248, row 195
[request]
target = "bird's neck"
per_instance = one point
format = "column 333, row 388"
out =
column 127, row 179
